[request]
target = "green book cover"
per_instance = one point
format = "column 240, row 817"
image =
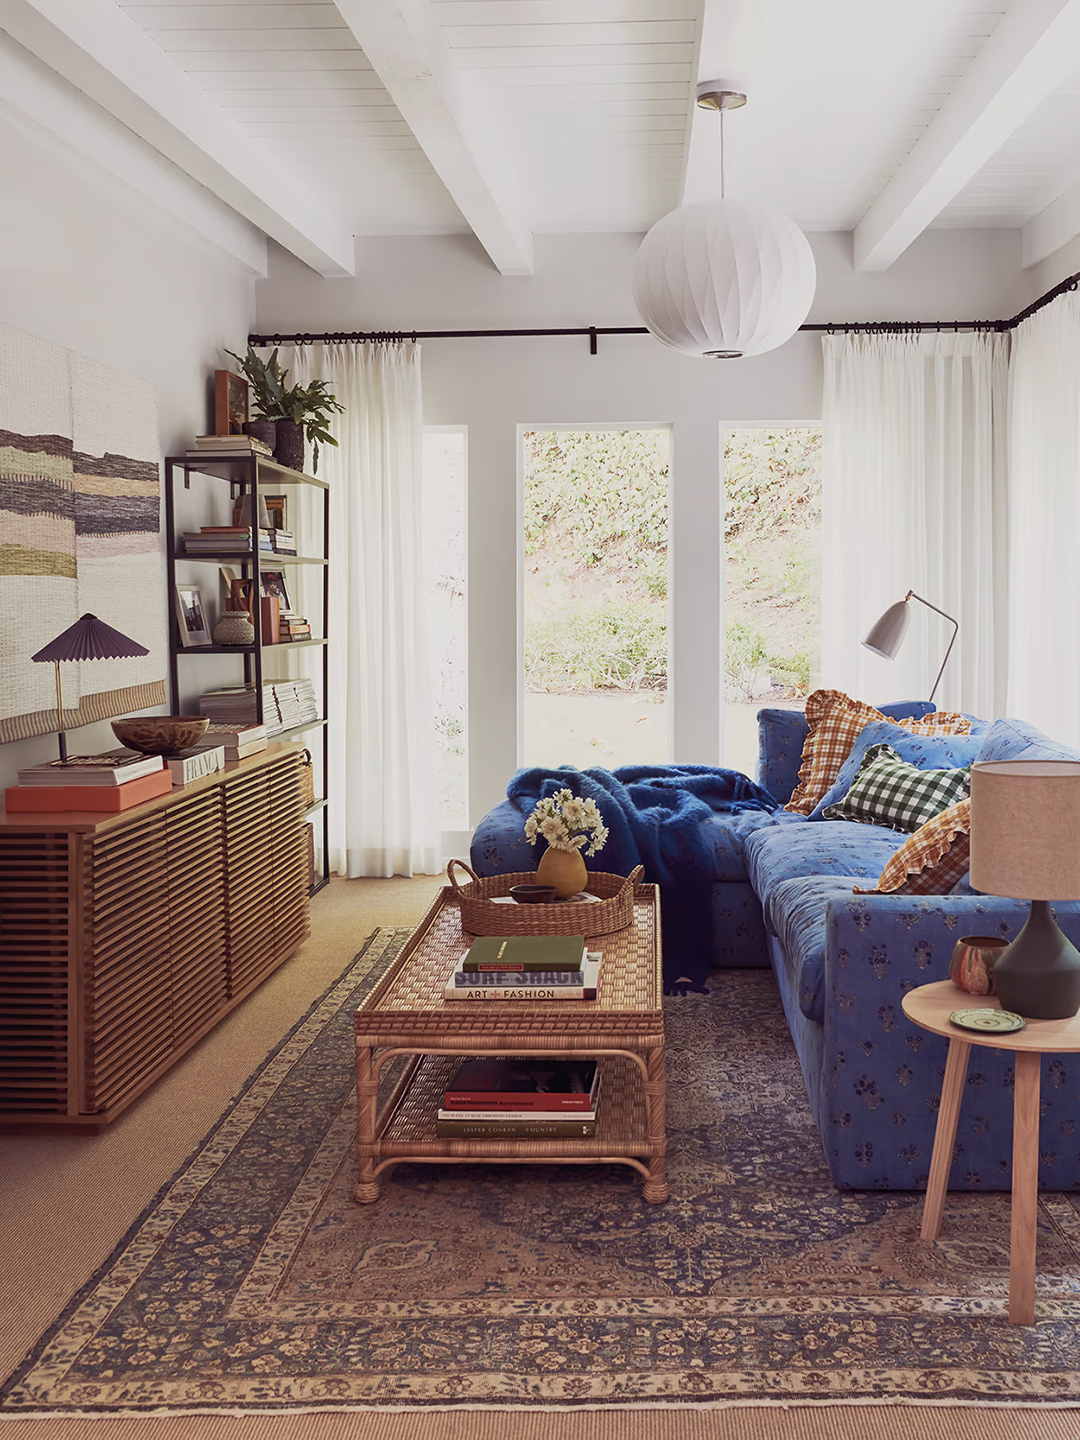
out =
column 525, row 952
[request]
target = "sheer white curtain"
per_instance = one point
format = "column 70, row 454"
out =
column 914, row 498
column 1044, row 520
column 383, row 813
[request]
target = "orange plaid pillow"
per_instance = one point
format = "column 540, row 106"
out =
column 931, row 861
column 835, row 722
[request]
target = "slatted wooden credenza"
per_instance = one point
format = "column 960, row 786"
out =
column 125, row 938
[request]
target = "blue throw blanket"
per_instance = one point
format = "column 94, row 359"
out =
column 654, row 814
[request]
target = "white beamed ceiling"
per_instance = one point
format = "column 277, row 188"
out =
column 578, row 112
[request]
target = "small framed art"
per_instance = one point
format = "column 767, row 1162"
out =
column 273, row 583
column 230, row 403
column 191, row 616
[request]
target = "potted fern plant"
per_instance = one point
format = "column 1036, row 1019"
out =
column 297, row 411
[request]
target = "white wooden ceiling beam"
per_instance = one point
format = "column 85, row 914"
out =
column 407, row 50
column 37, row 92
column 1030, row 51
column 1051, row 228
column 103, row 53
column 727, row 33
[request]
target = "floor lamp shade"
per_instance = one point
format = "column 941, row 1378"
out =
column 722, row 279
column 887, row 634
column 1025, row 843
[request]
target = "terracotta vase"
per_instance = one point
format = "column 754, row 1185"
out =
column 565, row 869
column 971, row 965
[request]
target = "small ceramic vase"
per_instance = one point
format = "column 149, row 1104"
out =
column 565, row 869
column 971, row 965
column 234, row 628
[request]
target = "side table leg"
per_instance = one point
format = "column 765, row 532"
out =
column 366, row 1190
column 952, row 1091
column 656, row 1187
column 1025, row 1189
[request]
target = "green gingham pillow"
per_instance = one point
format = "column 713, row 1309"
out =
column 888, row 791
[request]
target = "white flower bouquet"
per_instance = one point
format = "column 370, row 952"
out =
column 567, row 823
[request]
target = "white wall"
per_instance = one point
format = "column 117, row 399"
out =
column 495, row 385
column 86, row 263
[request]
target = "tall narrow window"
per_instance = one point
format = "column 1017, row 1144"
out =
column 596, row 597
column 772, row 545
column 444, row 529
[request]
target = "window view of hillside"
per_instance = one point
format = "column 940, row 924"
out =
column 596, row 590
column 772, row 546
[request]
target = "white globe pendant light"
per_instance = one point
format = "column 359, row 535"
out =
column 721, row 278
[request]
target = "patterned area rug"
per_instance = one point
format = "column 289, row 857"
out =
column 255, row 1283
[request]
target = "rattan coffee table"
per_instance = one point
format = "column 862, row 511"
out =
column 623, row 1028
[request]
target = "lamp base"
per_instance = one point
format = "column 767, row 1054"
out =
column 1038, row 975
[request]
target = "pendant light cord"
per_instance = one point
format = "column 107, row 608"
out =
column 721, row 154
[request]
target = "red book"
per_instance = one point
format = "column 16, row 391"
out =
column 108, row 799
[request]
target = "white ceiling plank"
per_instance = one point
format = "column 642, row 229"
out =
column 406, row 48
column 36, row 91
column 282, row 62
column 636, row 32
column 555, row 12
column 97, row 48
column 581, row 55
column 1029, row 52
column 240, row 17
column 246, row 42
column 593, row 80
column 1051, row 228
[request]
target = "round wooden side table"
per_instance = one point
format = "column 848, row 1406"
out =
column 930, row 1007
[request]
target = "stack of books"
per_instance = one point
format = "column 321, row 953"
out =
column 228, row 445
column 531, row 1097
column 107, row 783
column 525, row 967
column 292, row 626
column 235, row 741
column 285, row 703
column 195, row 762
column 223, row 540
column 283, row 542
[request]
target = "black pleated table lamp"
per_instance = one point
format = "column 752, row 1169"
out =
column 88, row 639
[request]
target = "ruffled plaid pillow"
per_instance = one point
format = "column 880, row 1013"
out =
column 931, row 861
column 890, row 791
column 835, row 722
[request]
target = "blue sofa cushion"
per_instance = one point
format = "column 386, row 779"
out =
column 927, row 752
column 782, row 733
column 1010, row 739
column 726, row 837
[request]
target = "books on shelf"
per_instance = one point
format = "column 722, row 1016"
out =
column 469, row 1128
column 283, row 542
column 194, row 763
column 230, row 444
column 233, row 735
column 230, row 540
column 112, row 767
column 525, row 953
column 527, row 986
column 540, row 1083
column 101, row 799
column 285, row 703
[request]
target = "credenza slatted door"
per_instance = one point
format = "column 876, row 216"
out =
column 123, row 942
column 197, row 926
column 36, row 902
column 127, row 1024
column 290, row 867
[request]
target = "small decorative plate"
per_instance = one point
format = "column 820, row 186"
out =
column 998, row 1022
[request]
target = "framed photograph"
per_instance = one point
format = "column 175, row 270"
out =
column 230, row 403
column 273, row 583
column 191, row 617
column 278, row 509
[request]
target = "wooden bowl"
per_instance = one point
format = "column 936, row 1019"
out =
column 159, row 734
column 532, row 894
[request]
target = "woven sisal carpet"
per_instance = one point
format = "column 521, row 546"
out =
column 254, row 1283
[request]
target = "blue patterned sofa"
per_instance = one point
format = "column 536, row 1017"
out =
column 782, row 894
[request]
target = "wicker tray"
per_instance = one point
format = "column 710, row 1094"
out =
column 481, row 916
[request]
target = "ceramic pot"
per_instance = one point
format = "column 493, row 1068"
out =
column 289, row 446
column 234, row 628
column 565, row 869
column 264, row 430
column 971, row 964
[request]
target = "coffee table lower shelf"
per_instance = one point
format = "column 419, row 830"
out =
column 405, row 1128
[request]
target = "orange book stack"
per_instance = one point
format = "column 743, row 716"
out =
column 105, row 799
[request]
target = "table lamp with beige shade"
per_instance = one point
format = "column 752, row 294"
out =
column 1025, row 843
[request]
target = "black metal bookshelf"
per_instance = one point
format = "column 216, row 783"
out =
column 249, row 473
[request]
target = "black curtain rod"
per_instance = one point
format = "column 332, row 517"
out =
column 871, row 327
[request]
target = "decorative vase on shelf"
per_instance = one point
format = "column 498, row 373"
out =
column 565, row 869
column 234, row 628
column 289, row 446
